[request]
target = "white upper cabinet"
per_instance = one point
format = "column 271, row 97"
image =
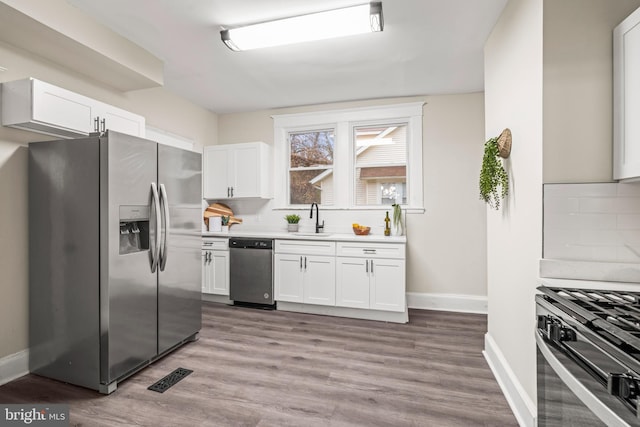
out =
column 38, row 106
column 236, row 171
column 626, row 98
column 119, row 120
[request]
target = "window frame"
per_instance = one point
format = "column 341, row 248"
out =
column 353, row 165
column 343, row 122
column 288, row 163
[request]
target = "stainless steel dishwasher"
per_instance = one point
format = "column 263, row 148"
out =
column 251, row 272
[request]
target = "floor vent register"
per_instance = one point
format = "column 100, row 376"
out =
column 173, row 378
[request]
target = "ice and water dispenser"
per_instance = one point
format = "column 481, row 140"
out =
column 134, row 229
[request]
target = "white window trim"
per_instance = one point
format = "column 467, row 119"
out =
column 343, row 121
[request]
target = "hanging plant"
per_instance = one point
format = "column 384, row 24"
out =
column 494, row 181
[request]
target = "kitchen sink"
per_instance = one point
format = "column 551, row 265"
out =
column 317, row 235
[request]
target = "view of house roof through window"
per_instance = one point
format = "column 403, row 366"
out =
column 380, row 164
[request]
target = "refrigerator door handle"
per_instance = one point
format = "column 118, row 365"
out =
column 155, row 247
column 164, row 202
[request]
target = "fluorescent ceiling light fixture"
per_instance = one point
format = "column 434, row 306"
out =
column 346, row 21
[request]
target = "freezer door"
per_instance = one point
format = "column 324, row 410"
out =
column 180, row 277
column 128, row 223
column 64, row 261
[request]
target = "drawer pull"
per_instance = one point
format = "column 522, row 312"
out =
column 369, row 251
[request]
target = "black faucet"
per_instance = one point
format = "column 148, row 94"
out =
column 319, row 227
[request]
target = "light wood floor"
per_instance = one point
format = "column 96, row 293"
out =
column 272, row 368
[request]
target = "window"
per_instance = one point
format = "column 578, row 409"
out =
column 380, row 154
column 310, row 162
column 364, row 158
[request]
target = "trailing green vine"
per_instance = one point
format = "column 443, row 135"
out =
column 492, row 176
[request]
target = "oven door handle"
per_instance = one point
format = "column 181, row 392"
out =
column 600, row 409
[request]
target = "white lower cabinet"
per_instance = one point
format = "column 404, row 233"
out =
column 215, row 266
column 306, row 279
column 288, row 277
column 341, row 274
column 207, row 273
column 352, row 283
column 387, row 285
column 319, row 284
column 370, row 280
column 301, row 276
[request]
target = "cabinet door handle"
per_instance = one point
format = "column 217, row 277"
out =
column 371, row 266
column 305, row 263
column 96, row 124
column 301, row 263
column 231, row 191
column 104, row 125
column 367, row 266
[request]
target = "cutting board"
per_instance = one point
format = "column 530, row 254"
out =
column 220, row 209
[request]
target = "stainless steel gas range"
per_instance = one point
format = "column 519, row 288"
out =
column 588, row 357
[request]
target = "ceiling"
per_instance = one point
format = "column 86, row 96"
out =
column 427, row 47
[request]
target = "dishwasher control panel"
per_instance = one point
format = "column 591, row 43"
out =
column 250, row 243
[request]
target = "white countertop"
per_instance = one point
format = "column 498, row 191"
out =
column 342, row 237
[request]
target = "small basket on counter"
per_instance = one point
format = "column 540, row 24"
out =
column 361, row 230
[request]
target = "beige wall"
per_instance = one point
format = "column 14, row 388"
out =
column 513, row 99
column 162, row 110
column 447, row 245
column 13, row 246
column 547, row 77
column 446, row 249
column 578, row 55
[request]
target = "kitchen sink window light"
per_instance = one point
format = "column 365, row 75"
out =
column 376, row 150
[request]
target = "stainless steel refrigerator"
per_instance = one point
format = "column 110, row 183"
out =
column 114, row 256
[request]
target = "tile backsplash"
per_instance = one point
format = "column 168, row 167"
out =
column 592, row 222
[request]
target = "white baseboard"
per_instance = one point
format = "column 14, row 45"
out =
column 356, row 313
column 519, row 401
column 447, row 302
column 222, row 299
column 14, row 366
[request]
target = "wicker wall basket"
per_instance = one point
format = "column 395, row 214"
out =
column 504, row 143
